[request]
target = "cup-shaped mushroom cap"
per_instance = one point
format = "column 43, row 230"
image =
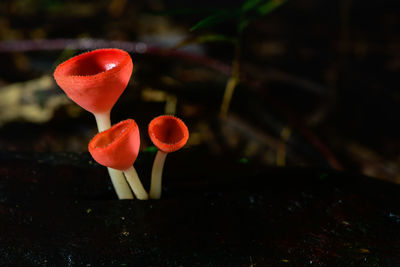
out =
column 117, row 147
column 168, row 133
column 95, row 80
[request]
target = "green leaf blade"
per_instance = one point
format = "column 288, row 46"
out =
column 250, row 4
column 215, row 19
column 270, row 6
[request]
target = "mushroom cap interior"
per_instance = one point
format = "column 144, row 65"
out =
column 168, row 130
column 106, row 140
column 94, row 62
column 168, row 133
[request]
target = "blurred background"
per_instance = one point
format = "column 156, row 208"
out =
column 270, row 82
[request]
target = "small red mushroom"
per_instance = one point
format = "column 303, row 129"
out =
column 168, row 134
column 95, row 80
column 118, row 148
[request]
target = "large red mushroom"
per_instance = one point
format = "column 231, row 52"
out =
column 95, row 80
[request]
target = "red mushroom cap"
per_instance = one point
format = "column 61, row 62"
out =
column 95, row 80
column 117, row 147
column 168, row 133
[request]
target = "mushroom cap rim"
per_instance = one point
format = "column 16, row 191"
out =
column 185, row 136
column 117, row 138
column 126, row 56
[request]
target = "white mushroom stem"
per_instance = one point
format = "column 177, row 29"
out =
column 156, row 175
column 120, row 185
column 118, row 180
column 103, row 121
column 134, row 182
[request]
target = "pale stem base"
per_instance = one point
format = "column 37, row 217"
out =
column 117, row 177
column 156, row 175
column 135, row 184
column 120, row 185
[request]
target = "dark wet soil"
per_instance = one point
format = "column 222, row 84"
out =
column 60, row 210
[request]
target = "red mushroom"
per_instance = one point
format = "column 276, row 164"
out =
column 95, row 80
column 118, row 148
column 168, row 134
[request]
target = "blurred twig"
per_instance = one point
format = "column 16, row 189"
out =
column 90, row 44
column 372, row 164
column 249, row 11
column 232, row 82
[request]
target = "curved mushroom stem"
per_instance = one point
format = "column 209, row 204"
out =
column 117, row 177
column 135, row 184
column 103, row 121
column 156, row 175
column 120, row 185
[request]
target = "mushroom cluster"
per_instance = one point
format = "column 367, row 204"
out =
column 95, row 80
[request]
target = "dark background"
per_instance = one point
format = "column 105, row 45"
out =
column 326, row 70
